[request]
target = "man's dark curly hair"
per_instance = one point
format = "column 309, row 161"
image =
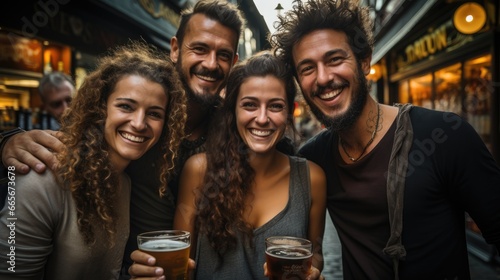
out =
column 311, row 15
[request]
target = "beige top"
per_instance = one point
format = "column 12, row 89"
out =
column 48, row 243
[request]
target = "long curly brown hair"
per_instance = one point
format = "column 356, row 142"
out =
column 229, row 176
column 85, row 167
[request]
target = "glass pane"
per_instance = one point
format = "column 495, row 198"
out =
column 447, row 81
column 420, row 91
column 404, row 95
column 478, row 90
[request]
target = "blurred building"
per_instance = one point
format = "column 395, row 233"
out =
column 442, row 55
column 69, row 36
column 428, row 53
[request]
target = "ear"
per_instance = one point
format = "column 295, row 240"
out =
column 174, row 49
column 365, row 65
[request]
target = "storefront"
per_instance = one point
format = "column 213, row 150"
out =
column 68, row 36
column 436, row 66
column 459, row 81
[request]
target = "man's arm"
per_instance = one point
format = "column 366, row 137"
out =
column 31, row 149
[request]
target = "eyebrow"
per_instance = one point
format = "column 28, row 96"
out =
column 192, row 44
column 196, row 44
column 270, row 100
column 327, row 54
column 135, row 102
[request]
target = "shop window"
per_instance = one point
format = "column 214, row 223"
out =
column 420, row 91
column 404, row 92
column 447, row 83
column 56, row 58
column 444, row 90
column 477, row 99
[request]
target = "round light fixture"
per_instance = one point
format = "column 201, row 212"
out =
column 469, row 18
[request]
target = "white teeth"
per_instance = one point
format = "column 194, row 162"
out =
column 331, row 94
column 260, row 132
column 132, row 137
column 211, row 79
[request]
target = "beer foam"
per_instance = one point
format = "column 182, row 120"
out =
column 285, row 241
column 288, row 253
column 163, row 245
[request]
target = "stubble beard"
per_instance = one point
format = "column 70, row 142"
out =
column 347, row 119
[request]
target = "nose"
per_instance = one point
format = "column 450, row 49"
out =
column 210, row 61
column 324, row 77
column 138, row 121
column 262, row 118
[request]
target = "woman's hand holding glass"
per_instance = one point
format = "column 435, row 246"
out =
column 144, row 266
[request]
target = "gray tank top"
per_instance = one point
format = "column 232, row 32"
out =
column 245, row 262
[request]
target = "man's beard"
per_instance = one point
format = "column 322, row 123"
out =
column 346, row 120
column 204, row 98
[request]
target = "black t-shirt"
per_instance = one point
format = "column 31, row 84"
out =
column 450, row 171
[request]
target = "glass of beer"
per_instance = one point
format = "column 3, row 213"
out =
column 288, row 257
column 170, row 249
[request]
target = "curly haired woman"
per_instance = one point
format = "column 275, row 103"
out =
column 74, row 222
column 243, row 189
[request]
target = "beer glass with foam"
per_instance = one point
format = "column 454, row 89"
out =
column 288, row 257
column 171, row 250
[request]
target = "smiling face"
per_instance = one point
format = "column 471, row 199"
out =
column 261, row 115
column 332, row 81
column 136, row 112
column 205, row 57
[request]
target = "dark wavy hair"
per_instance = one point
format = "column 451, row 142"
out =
column 224, row 12
column 311, row 15
column 85, row 167
column 221, row 203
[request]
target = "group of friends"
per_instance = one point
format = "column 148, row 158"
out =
column 149, row 143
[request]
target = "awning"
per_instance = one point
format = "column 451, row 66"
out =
column 402, row 27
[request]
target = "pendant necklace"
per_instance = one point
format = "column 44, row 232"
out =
column 367, row 144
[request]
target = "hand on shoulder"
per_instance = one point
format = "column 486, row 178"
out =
column 32, row 149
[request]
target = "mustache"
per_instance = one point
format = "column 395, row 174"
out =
column 331, row 86
column 216, row 74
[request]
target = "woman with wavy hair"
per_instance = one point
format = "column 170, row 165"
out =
column 243, row 189
column 74, row 222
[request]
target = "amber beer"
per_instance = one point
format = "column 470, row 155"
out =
column 170, row 249
column 288, row 257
